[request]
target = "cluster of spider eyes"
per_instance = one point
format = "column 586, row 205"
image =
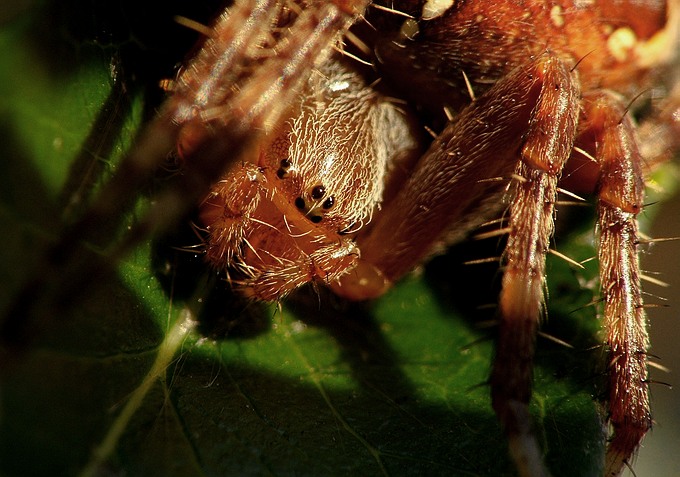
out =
column 315, row 206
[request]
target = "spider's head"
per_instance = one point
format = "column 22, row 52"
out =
column 268, row 243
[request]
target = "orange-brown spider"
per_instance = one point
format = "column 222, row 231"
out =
column 552, row 80
column 325, row 180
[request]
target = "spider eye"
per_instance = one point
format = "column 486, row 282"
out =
column 318, row 192
column 309, row 203
column 328, row 203
column 284, row 167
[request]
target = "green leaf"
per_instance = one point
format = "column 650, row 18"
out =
column 321, row 387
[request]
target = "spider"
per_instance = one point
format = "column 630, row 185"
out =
column 517, row 95
column 555, row 94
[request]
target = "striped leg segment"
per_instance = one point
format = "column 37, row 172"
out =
column 620, row 196
column 548, row 144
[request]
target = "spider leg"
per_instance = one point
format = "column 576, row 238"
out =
column 620, row 197
column 458, row 184
column 523, row 127
column 547, row 147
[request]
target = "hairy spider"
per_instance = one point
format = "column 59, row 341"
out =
column 553, row 81
column 327, row 182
